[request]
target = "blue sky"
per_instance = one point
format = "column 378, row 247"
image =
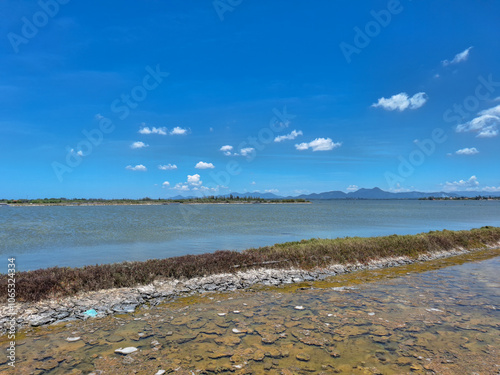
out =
column 318, row 96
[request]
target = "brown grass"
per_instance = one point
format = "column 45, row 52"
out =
column 59, row 282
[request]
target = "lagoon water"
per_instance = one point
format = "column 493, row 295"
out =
column 42, row 237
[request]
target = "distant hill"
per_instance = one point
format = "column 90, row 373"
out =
column 363, row 193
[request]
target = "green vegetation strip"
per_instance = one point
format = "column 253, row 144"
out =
column 57, row 282
column 146, row 201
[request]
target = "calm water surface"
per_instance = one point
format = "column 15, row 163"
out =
column 74, row 236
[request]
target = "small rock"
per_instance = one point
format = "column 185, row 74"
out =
column 303, row 357
column 72, row 339
column 160, row 372
column 299, row 307
column 126, row 351
column 221, row 314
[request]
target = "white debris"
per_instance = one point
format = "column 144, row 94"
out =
column 126, row 351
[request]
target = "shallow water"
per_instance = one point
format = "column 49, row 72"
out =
column 42, row 237
column 436, row 317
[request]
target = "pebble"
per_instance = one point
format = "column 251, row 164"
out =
column 72, row 339
column 371, row 313
column 221, row 314
column 299, row 307
column 160, row 372
column 126, row 351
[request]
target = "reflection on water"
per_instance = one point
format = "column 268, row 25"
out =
column 445, row 320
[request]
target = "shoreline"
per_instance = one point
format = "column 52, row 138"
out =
column 107, row 302
column 139, row 204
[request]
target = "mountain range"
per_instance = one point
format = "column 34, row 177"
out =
column 374, row 193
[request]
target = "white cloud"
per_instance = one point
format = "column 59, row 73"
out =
column 138, row 167
column 352, row 188
column 491, row 189
column 459, row 57
column 181, row 186
column 485, row 124
column 203, row 165
column 195, row 184
column 253, row 183
column 467, row 151
column 153, row 130
column 274, row 191
column 294, row 134
column 400, row 189
column 402, row 101
column 165, row 184
column 226, row 150
column 80, row 153
column 471, row 184
column 319, row 144
column 246, row 151
column 178, row 131
column 167, row 167
column 138, row 145
column 194, row 180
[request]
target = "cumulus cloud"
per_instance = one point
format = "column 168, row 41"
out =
column 165, row 184
column 203, row 165
column 352, row 188
column 402, row 101
column 194, row 183
column 194, row 180
column 294, row 134
column 178, row 131
column 471, row 184
column 319, row 144
column 138, row 167
column 485, row 124
column 181, row 186
column 146, row 130
column 274, row 191
column 459, row 57
column 227, row 150
column 246, row 151
column 167, row 167
column 467, row 151
column 138, row 145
